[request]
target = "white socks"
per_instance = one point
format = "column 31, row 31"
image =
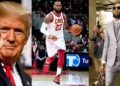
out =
column 59, row 70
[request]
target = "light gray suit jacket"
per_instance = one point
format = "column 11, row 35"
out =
column 111, row 45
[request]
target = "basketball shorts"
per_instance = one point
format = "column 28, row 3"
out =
column 54, row 46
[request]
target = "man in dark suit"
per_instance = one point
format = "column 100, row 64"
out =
column 15, row 22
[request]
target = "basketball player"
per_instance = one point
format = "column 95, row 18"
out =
column 55, row 21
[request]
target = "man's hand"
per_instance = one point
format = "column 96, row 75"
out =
column 96, row 29
column 41, row 59
column 54, row 38
column 102, row 69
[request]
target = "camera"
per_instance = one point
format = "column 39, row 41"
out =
column 98, row 25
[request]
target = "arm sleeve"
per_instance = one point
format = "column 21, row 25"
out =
column 43, row 29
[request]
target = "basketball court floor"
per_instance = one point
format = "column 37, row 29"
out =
column 68, row 78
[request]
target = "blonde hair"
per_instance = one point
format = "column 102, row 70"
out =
column 8, row 8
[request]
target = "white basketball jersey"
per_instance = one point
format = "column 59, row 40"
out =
column 56, row 26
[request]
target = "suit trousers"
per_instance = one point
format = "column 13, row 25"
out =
column 112, row 72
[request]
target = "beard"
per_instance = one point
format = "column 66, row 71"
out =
column 116, row 16
column 58, row 11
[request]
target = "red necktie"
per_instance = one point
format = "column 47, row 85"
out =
column 8, row 69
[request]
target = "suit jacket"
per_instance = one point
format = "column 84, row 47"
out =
column 4, row 81
column 111, row 45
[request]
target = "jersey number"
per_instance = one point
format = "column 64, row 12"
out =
column 58, row 27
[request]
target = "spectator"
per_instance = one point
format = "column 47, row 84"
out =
column 40, row 56
column 80, row 44
column 98, row 47
column 43, row 41
column 68, row 41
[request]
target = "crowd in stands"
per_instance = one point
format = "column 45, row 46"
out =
column 76, row 12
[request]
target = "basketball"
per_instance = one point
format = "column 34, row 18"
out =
column 75, row 29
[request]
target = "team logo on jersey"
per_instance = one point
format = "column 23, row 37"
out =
column 58, row 23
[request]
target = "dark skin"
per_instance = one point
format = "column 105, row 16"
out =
column 116, row 11
column 48, row 19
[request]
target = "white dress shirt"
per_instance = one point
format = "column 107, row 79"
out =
column 15, row 74
column 116, row 22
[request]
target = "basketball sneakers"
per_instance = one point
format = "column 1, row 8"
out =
column 46, row 67
column 57, row 79
column 47, row 63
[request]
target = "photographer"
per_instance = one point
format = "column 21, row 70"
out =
column 98, row 37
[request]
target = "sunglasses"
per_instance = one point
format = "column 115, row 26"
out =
column 116, row 7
